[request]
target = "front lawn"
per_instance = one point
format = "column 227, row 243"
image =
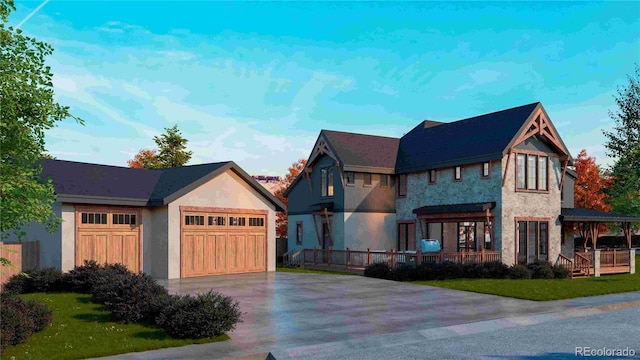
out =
column 543, row 289
column 82, row 329
column 281, row 268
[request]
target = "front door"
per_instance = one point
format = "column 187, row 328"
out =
column 467, row 236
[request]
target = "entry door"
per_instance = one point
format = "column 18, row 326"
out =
column 467, row 236
column 406, row 236
column 326, row 237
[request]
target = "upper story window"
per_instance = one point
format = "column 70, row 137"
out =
column 367, row 179
column 350, row 176
column 299, row 233
column 384, row 180
column 402, row 185
column 327, row 181
column 457, row 173
column 532, row 172
column 486, row 169
column 432, row 176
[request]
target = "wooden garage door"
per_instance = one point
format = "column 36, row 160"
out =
column 222, row 241
column 109, row 235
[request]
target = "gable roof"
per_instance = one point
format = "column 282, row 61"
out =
column 363, row 151
column 79, row 182
column 476, row 139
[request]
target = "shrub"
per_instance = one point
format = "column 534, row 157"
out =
column 540, row 270
column 20, row 319
column 403, row 273
column 474, row 271
column 107, row 276
column 82, row 278
column 127, row 296
column 427, row 271
column 16, row 284
column 377, row 270
column 39, row 280
column 451, row 270
column 205, row 315
column 497, row 270
column 520, row 272
column 559, row 272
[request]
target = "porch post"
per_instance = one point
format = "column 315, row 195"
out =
column 368, row 256
column 596, row 263
column 393, row 258
column 348, row 258
column 632, row 261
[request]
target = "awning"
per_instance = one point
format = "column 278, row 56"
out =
column 587, row 215
column 456, row 212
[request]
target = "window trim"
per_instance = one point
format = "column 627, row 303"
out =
column 527, row 220
column 482, row 175
column 400, row 183
column 386, row 177
column 455, row 169
column 537, row 155
column 326, row 182
column 299, row 235
column 364, row 179
column 433, row 176
column 353, row 178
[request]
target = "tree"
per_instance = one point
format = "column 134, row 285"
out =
column 623, row 143
column 281, row 217
column 171, row 152
column 145, row 159
column 27, row 110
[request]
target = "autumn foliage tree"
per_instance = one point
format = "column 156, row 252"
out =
column 281, row 217
column 591, row 185
column 145, row 159
column 171, row 152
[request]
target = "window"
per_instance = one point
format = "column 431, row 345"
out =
column 532, row 172
column 432, row 176
column 236, row 221
column 194, row 220
column 327, row 181
column 256, row 221
column 486, row 169
column 384, row 180
column 533, row 241
column 216, row 220
column 351, row 179
column 406, row 236
column 299, row 233
column 94, row 218
column 123, row 219
column 402, row 185
column 457, row 173
column 367, row 179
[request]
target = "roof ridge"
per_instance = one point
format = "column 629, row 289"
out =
column 361, row 134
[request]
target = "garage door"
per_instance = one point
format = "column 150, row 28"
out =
column 109, row 235
column 222, row 241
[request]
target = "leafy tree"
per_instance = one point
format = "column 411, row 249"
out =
column 27, row 110
column 590, row 187
column 145, row 159
column 281, row 217
column 623, row 143
column 171, row 152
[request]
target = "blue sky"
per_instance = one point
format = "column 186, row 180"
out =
column 256, row 82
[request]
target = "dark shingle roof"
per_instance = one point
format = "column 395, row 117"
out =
column 476, row 139
column 454, row 208
column 84, row 182
column 364, row 150
column 581, row 214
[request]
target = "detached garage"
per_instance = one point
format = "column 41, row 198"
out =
column 197, row 220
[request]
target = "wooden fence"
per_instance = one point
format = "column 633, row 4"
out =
column 13, row 253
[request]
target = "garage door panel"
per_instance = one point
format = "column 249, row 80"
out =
column 114, row 249
column 131, row 251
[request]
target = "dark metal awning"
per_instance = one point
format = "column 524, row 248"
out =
column 454, row 208
column 589, row 215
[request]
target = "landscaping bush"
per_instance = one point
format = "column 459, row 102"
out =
column 427, row 271
column 205, row 315
column 450, row 270
column 559, row 272
column 21, row 318
column 475, row 271
column 16, row 284
column 377, row 270
column 497, row 270
column 403, row 273
column 127, row 296
column 540, row 270
column 38, row 280
column 82, row 278
column 520, row 272
column 108, row 275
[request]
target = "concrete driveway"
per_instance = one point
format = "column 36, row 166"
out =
column 301, row 311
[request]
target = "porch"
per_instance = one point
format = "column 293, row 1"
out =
column 600, row 262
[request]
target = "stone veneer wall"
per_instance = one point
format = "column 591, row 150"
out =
column 523, row 204
column 472, row 189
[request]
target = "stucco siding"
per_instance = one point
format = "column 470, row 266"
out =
column 155, row 241
column 373, row 198
column 568, row 192
column 67, row 237
column 301, row 198
column 535, row 205
column 369, row 230
column 227, row 190
column 472, row 189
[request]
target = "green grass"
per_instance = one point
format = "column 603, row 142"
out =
column 82, row 329
column 280, row 268
column 543, row 289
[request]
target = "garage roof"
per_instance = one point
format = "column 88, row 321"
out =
column 79, row 182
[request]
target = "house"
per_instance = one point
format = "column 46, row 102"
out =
column 496, row 182
column 170, row 223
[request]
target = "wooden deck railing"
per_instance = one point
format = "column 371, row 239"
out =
column 565, row 263
column 614, row 258
column 583, row 263
column 359, row 259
